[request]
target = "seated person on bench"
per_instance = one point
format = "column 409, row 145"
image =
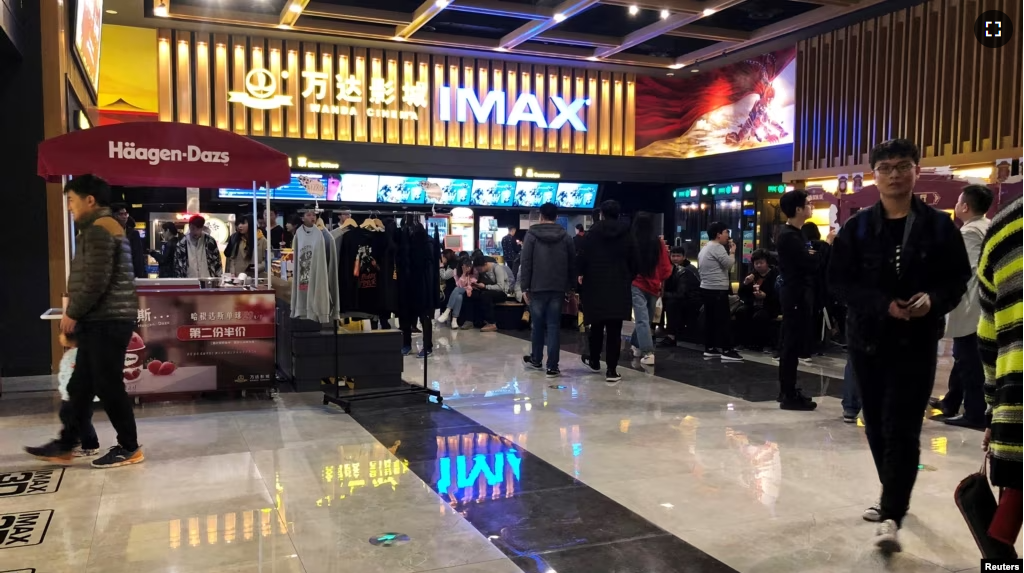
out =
column 681, row 297
column 492, row 286
column 756, row 318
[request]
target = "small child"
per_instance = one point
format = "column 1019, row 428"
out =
column 89, row 444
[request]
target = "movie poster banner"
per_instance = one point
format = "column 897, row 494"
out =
column 201, row 341
column 745, row 105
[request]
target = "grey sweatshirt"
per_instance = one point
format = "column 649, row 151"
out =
column 315, row 285
column 713, row 264
column 546, row 263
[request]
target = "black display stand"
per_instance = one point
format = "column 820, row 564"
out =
column 346, row 401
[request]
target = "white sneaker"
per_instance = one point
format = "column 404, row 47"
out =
column 805, row 361
column 80, row 452
column 887, row 537
column 444, row 316
column 455, row 323
column 873, row 513
column 648, row 359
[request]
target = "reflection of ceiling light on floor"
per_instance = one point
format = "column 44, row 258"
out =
column 665, row 14
column 634, row 10
column 111, row 11
column 667, row 505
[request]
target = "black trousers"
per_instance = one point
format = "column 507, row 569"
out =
column 797, row 309
column 755, row 326
column 966, row 380
column 481, row 306
column 99, row 371
column 681, row 316
column 717, row 330
column 428, row 331
column 613, row 330
column 895, row 384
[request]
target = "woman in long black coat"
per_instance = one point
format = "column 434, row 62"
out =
column 418, row 285
column 608, row 265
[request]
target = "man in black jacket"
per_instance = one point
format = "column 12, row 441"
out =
column 900, row 267
column 545, row 275
column 165, row 256
column 607, row 267
column 799, row 264
column 102, row 310
column 135, row 243
column 681, row 296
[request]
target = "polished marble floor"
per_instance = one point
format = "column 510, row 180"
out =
column 686, row 468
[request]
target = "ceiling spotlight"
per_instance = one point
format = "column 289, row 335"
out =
column 559, row 17
column 441, row 3
column 677, row 66
column 296, row 7
column 694, row 70
column 592, row 59
column 708, row 11
column 500, row 49
column 160, row 10
column 669, row 74
column 398, row 39
column 665, row 14
column 111, row 11
column 284, row 27
column 634, row 10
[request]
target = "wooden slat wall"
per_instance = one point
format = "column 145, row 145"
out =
column 196, row 72
column 917, row 73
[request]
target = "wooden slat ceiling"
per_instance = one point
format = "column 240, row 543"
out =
column 668, row 34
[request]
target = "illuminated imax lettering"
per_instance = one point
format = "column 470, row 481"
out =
column 526, row 108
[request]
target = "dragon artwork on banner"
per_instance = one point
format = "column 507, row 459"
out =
column 744, row 105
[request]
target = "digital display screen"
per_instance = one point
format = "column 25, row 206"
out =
column 490, row 193
column 401, row 190
column 358, row 188
column 449, row 191
column 577, row 195
column 535, row 193
column 302, row 187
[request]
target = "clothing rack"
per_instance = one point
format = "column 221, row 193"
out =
column 345, row 402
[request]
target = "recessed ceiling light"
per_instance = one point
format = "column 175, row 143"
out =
column 111, row 11
column 559, row 17
column 670, row 74
column 398, row 39
column 634, row 10
column 665, row 14
column 160, row 10
column 708, row 11
column 500, row 49
column 677, row 66
column 694, row 70
column 284, row 27
column 592, row 59
column 441, row 3
column 296, row 7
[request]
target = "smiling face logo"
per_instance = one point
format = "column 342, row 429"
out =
column 260, row 91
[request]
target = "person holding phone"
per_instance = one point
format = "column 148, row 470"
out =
column 900, row 267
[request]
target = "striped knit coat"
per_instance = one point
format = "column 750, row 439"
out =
column 1000, row 340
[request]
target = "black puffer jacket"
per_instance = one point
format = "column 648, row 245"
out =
column 102, row 281
column 608, row 265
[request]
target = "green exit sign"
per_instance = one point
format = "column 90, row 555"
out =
column 777, row 188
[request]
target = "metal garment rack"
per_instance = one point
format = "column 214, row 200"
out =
column 345, row 402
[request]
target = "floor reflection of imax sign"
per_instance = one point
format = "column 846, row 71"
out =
column 478, row 472
column 262, row 91
column 527, row 108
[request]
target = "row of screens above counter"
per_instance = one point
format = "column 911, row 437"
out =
column 394, row 190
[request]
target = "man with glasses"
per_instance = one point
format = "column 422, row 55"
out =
column 900, row 266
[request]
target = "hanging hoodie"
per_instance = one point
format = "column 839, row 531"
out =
column 315, row 286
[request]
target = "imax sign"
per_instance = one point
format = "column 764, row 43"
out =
column 526, row 108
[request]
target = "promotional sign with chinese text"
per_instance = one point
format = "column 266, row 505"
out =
column 192, row 342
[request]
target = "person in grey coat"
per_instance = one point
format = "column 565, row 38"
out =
column 545, row 274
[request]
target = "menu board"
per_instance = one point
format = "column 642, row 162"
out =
column 401, row 190
column 535, row 193
column 577, row 195
column 358, row 188
column 302, row 187
column 490, row 193
column 449, row 191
